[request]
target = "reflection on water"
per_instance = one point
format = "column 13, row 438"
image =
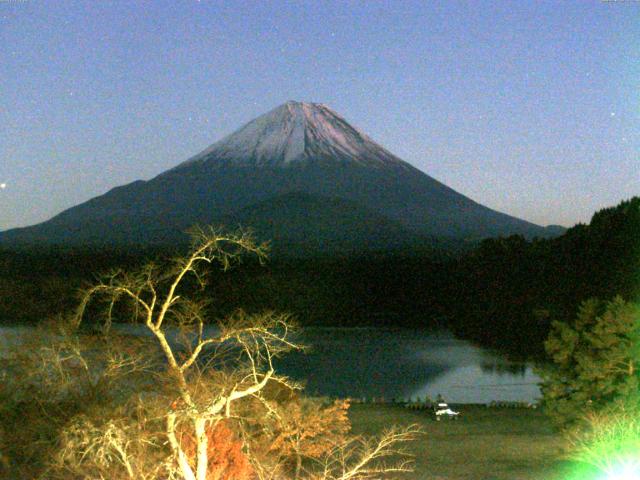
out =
column 472, row 384
column 506, row 368
column 403, row 364
column 395, row 364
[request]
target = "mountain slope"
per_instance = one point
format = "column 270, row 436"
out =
column 298, row 222
column 297, row 147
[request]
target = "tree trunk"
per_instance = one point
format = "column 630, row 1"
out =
column 183, row 462
column 298, row 466
column 202, row 443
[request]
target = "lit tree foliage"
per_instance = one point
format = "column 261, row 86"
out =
column 227, row 459
column 306, row 428
column 596, row 360
column 175, row 401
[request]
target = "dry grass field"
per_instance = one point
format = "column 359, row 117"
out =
column 483, row 444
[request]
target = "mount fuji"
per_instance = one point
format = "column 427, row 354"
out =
column 300, row 175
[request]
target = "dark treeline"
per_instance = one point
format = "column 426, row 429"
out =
column 502, row 294
column 38, row 283
column 507, row 291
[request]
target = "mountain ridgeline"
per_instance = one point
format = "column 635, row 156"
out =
column 301, row 176
column 504, row 293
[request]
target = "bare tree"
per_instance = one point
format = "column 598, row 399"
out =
column 156, row 400
column 361, row 458
column 241, row 348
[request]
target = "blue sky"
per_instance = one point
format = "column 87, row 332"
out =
column 531, row 108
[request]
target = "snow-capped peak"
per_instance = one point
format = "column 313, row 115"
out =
column 296, row 132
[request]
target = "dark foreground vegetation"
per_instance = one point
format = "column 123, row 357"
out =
column 504, row 293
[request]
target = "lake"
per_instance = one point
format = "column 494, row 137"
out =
column 402, row 364
column 405, row 364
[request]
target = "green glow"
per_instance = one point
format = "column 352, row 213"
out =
column 610, row 443
column 629, row 470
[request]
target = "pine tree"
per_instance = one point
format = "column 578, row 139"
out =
column 595, row 360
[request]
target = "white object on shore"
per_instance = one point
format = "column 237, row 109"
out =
column 447, row 411
column 443, row 409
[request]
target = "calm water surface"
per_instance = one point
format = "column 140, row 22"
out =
column 397, row 364
column 405, row 364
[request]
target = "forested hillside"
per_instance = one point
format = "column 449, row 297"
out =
column 508, row 290
column 503, row 294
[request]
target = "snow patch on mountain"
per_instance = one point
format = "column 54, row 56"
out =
column 296, row 132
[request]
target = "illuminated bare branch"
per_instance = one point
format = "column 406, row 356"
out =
column 363, row 459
